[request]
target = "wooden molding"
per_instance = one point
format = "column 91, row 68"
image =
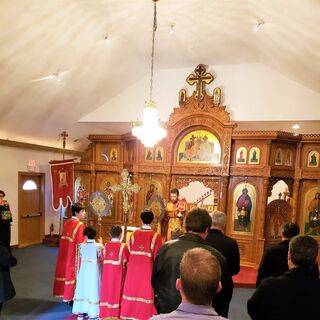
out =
column 24, row 145
column 272, row 135
column 315, row 138
column 104, row 138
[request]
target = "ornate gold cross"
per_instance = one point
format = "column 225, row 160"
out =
column 201, row 78
column 126, row 188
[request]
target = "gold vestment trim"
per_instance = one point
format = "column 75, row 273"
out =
column 137, row 299
column 89, row 260
column 141, row 253
column 67, row 238
column 111, row 306
column 87, row 300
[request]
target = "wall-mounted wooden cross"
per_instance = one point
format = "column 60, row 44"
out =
column 201, row 78
column 64, row 136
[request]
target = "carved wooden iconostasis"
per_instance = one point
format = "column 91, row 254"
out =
column 237, row 170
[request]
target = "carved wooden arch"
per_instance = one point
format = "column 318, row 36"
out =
column 206, row 106
column 201, row 121
column 82, row 179
column 184, row 181
column 274, row 180
column 186, row 127
column 192, row 119
column 209, row 182
column 279, row 207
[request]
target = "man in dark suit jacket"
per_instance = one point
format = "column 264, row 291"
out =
column 226, row 245
column 294, row 295
column 166, row 265
column 275, row 259
column 7, row 261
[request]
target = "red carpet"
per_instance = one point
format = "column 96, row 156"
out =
column 246, row 278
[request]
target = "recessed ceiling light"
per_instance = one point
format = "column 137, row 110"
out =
column 172, row 26
column 259, row 24
column 107, row 39
column 295, row 127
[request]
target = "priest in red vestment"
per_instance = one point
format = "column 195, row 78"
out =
column 176, row 213
column 137, row 297
column 114, row 260
column 72, row 235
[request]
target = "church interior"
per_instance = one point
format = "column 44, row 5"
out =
column 237, row 88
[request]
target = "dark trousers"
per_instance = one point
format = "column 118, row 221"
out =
column 5, row 233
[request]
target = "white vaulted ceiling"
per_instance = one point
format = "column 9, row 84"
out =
column 39, row 38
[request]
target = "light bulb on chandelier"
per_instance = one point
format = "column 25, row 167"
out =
column 150, row 131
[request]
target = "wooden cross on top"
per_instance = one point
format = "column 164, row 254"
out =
column 201, row 78
column 286, row 194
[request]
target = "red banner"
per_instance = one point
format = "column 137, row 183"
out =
column 61, row 182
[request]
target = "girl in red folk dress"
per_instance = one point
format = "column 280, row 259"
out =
column 114, row 260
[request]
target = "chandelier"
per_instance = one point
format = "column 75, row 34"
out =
column 150, row 131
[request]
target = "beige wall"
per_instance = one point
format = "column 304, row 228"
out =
column 251, row 92
column 13, row 160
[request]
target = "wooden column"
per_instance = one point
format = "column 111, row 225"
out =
column 296, row 185
column 264, row 207
column 295, row 196
column 93, row 176
column 92, row 220
column 168, row 187
column 223, row 193
column 261, row 222
column 134, row 209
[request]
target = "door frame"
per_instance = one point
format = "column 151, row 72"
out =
column 21, row 175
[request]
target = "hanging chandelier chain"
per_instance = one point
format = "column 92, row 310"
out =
column 149, row 131
column 152, row 47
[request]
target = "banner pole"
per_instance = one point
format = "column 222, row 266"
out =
column 60, row 222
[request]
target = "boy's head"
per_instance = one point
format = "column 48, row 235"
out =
column 89, row 232
column 115, row 231
column 146, row 216
column 78, row 210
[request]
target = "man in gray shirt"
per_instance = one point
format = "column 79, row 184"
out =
column 199, row 281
